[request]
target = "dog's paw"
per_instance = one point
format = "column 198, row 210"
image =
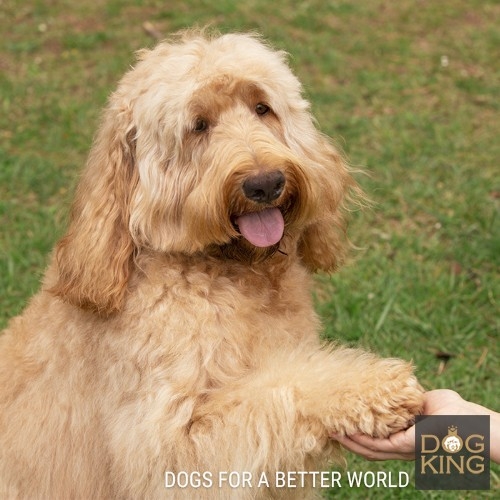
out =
column 387, row 402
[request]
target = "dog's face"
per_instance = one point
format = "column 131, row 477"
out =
column 207, row 145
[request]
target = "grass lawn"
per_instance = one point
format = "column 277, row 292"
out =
column 409, row 89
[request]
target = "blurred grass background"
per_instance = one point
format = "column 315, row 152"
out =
column 409, row 89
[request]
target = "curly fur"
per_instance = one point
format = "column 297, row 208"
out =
column 162, row 340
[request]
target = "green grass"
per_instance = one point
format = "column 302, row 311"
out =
column 408, row 89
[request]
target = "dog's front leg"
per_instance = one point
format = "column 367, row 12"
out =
column 276, row 417
column 352, row 391
column 255, row 430
column 281, row 416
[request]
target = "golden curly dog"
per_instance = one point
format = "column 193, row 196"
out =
column 174, row 333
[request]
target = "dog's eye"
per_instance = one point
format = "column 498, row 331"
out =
column 261, row 108
column 200, row 125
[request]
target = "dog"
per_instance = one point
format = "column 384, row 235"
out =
column 174, row 335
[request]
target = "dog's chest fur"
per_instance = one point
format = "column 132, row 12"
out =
column 219, row 321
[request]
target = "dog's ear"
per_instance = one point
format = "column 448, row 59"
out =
column 323, row 244
column 95, row 257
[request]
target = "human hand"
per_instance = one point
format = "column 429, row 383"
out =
column 401, row 445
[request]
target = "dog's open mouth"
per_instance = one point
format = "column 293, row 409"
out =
column 262, row 229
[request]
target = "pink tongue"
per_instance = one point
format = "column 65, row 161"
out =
column 262, row 229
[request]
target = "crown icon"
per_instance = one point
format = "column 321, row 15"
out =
column 452, row 442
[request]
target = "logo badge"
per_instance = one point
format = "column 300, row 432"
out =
column 452, row 452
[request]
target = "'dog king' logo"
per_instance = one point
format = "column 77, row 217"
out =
column 452, row 443
column 452, row 452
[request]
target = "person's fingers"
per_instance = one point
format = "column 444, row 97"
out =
column 372, row 452
column 401, row 442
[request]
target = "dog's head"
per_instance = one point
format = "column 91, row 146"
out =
column 206, row 146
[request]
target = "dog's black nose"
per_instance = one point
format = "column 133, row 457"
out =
column 264, row 188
